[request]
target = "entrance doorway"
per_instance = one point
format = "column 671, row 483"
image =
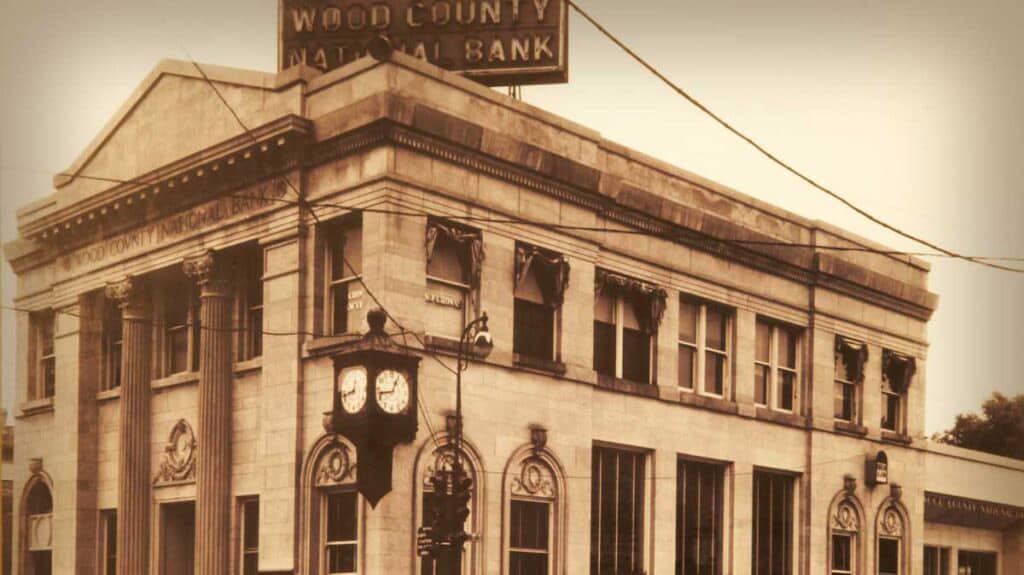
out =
column 177, row 538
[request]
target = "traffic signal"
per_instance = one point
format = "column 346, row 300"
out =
column 459, row 507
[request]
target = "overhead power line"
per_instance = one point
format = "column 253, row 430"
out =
column 567, row 227
column 785, row 165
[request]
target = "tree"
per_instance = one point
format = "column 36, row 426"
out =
column 998, row 430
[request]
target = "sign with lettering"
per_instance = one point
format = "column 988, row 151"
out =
column 953, row 510
column 877, row 469
column 495, row 42
column 199, row 218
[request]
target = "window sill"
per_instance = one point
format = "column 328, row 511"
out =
column 36, row 406
column 849, row 428
column 791, row 419
column 688, row 397
column 538, row 364
column 330, row 344
column 248, row 366
column 626, row 386
column 894, row 437
column 109, row 394
column 189, row 377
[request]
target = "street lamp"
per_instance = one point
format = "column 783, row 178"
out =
column 445, row 533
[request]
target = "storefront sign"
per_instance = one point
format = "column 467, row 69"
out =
column 952, row 510
column 496, row 42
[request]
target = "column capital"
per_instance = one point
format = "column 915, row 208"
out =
column 204, row 269
column 127, row 293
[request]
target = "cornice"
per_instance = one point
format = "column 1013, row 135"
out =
column 191, row 177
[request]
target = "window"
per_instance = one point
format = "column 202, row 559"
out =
column 698, row 518
column 772, row 524
column 534, row 511
column 776, row 375
column 529, row 542
column 975, row 563
column 541, row 278
column 850, row 357
column 181, row 326
column 38, row 529
column 627, row 313
column 108, row 541
column 704, row 342
column 344, row 268
column 888, row 556
column 247, row 269
column 897, row 372
column 340, row 541
column 455, row 256
column 936, row 560
column 616, row 511
column 45, row 379
column 250, row 536
column 112, row 338
column 842, row 554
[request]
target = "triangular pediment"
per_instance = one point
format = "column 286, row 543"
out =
column 174, row 113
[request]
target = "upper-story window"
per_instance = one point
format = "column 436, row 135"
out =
column 112, row 339
column 247, row 273
column 627, row 313
column 249, row 539
column 897, row 372
column 44, row 379
column 704, row 346
column 776, row 366
column 455, row 256
column 850, row 357
column 343, row 270
column 181, row 326
column 541, row 278
column 617, row 509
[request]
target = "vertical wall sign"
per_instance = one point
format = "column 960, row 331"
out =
column 496, row 42
column 877, row 469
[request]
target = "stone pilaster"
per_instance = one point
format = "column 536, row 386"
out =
column 133, row 499
column 213, row 470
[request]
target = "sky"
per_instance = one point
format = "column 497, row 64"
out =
column 911, row 109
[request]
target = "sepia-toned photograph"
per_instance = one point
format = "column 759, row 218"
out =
column 511, row 287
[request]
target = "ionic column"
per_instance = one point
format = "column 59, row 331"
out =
column 133, row 496
column 213, row 464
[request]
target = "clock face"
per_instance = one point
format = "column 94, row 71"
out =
column 392, row 391
column 353, row 389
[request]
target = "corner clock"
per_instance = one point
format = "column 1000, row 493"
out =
column 374, row 404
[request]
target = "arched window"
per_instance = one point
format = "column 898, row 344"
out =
column 37, row 509
column 533, row 512
column 332, row 511
column 440, row 455
column 891, row 551
column 846, row 535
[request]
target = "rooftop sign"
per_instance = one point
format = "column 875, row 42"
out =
column 495, row 42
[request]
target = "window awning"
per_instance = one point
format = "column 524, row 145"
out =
column 855, row 357
column 648, row 300
column 898, row 370
column 469, row 244
column 551, row 270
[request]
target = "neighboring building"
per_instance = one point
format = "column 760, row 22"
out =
column 7, row 503
column 710, row 400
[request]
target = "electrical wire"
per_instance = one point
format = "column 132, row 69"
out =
column 785, row 165
column 550, row 226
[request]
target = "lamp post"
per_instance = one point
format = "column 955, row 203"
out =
column 444, row 536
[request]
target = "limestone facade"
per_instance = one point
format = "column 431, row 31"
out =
column 200, row 399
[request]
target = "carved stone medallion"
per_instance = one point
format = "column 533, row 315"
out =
column 534, row 479
column 845, row 517
column 892, row 523
column 178, row 461
column 335, row 467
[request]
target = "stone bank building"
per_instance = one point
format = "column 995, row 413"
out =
column 673, row 390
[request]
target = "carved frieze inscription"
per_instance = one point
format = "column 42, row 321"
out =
column 172, row 227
